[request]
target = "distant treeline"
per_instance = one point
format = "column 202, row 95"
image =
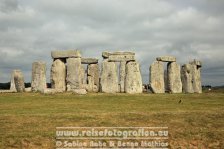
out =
column 6, row 86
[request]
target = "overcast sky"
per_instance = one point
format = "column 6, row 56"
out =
column 187, row 29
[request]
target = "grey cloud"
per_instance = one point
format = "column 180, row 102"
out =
column 29, row 30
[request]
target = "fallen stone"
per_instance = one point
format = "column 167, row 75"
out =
column 51, row 91
column 109, row 78
column 107, row 54
column 79, row 91
column 74, row 73
column 186, row 77
column 38, row 76
column 65, row 54
column 58, row 75
column 166, row 58
column 157, row 77
column 29, row 89
column 133, row 79
column 174, row 78
column 7, row 91
column 89, row 61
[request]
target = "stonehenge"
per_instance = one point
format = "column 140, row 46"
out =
column 119, row 72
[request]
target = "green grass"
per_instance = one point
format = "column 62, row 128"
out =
column 29, row 120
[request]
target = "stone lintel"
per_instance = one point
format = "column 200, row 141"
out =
column 89, row 61
column 107, row 54
column 65, row 54
column 166, row 58
column 121, row 58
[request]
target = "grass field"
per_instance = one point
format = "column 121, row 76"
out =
column 29, row 120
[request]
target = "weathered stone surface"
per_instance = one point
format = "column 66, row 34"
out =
column 157, row 77
column 79, row 91
column 58, row 75
column 166, row 81
column 107, row 54
column 74, row 73
column 133, row 79
column 166, row 58
column 29, row 89
column 93, row 77
column 7, row 91
column 19, row 80
column 174, row 78
column 122, row 75
column 186, row 77
column 120, row 58
column 12, row 83
column 65, row 54
column 38, row 76
column 197, row 63
column 83, row 75
column 51, row 91
column 196, row 78
column 109, row 78
column 90, row 61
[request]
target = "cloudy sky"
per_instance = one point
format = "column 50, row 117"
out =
column 187, row 29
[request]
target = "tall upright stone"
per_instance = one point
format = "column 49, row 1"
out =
column 109, row 78
column 38, row 76
column 58, row 75
column 19, row 80
column 133, row 79
column 186, row 77
column 174, row 78
column 12, row 83
column 196, row 78
column 83, row 75
column 93, row 77
column 166, row 81
column 122, row 75
column 157, row 77
column 74, row 75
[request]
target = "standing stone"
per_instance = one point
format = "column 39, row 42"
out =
column 93, row 77
column 166, row 81
column 83, row 75
column 122, row 75
column 12, row 83
column 74, row 73
column 133, row 79
column 38, row 76
column 174, row 78
column 196, row 78
column 109, row 78
column 186, row 77
column 157, row 77
column 19, row 81
column 58, row 75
